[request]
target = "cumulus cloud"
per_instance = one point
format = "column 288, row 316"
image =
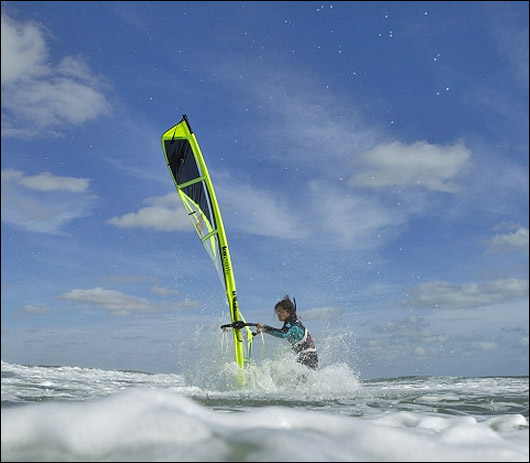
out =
column 510, row 241
column 445, row 295
column 120, row 304
column 46, row 181
column 36, row 310
column 259, row 212
column 419, row 164
column 24, row 50
column 38, row 97
column 164, row 213
column 44, row 203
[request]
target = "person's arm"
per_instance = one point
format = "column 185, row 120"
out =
column 275, row 331
column 294, row 333
column 262, row 328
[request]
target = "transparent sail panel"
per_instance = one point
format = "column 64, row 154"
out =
column 206, row 231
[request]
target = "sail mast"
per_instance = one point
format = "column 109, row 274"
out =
column 194, row 185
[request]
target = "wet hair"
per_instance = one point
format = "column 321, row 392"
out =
column 287, row 305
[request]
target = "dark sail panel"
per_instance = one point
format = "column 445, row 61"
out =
column 184, row 168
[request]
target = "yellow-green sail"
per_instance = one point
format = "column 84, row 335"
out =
column 194, row 186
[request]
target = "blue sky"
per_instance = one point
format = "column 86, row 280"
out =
column 370, row 159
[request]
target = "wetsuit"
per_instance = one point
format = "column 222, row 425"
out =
column 300, row 339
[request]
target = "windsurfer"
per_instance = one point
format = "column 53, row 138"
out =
column 294, row 331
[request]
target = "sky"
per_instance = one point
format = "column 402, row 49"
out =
column 370, row 159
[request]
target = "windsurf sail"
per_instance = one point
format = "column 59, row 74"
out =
column 195, row 188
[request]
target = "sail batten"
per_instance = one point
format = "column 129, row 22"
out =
column 195, row 189
column 191, row 182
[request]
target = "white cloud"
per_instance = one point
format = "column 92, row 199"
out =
column 258, row 211
column 445, row 295
column 46, row 181
column 162, row 290
column 165, row 213
column 43, row 203
column 118, row 303
column 24, row 50
column 486, row 346
column 40, row 98
column 511, row 241
column 420, row 164
column 32, row 309
column 345, row 218
column 318, row 208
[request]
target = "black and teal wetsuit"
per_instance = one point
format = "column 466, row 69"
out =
column 300, row 339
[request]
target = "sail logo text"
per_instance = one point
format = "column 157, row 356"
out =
column 226, row 260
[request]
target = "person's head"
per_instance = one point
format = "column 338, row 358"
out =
column 285, row 308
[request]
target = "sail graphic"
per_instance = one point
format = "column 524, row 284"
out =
column 195, row 188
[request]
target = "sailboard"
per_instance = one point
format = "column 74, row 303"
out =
column 195, row 188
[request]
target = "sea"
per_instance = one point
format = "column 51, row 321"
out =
column 284, row 412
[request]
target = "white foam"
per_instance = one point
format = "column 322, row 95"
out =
column 149, row 425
